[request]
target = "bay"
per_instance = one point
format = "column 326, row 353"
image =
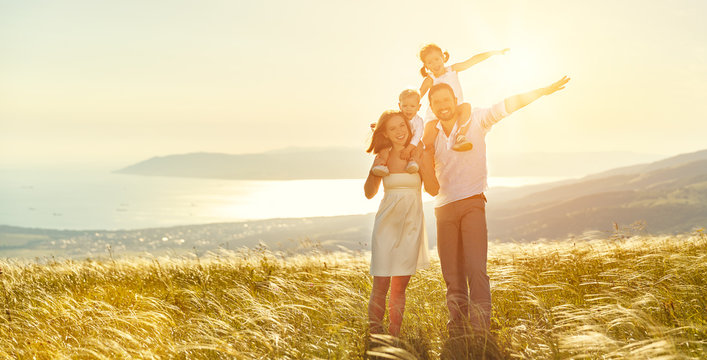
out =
column 87, row 199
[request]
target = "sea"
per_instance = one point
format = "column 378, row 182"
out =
column 90, row 199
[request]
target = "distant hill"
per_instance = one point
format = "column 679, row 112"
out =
column 336, row 163
column 347, row 163
column 665, row 163
column 513, row 194
column 669, row 196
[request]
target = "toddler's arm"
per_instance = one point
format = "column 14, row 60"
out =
column 417, row 126
column 477, row 59
column 411, row 152
column 407, row 151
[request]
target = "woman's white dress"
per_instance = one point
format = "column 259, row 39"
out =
column 399, row 243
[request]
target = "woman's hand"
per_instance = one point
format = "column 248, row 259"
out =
column 370, row 188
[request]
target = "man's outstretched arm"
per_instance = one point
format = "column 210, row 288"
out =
column 516, row 102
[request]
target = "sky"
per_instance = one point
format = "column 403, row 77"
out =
column 122, row 81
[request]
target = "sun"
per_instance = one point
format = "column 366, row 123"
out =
column 525, row 68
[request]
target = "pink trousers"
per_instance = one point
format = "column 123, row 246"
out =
column 462, row 243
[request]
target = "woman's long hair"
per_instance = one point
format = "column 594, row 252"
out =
column 378, row 140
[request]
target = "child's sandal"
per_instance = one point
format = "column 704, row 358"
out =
column 461, row 144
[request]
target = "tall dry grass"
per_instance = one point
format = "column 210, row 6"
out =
column 641, row 298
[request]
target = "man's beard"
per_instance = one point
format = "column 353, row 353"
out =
column 450, row 115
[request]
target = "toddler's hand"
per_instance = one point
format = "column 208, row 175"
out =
column 405, row 154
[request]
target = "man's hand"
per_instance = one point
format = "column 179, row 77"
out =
column 556, row 86
column 515, row 102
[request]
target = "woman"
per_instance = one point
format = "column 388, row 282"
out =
column 399, row 242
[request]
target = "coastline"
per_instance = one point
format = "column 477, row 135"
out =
column 330, row 233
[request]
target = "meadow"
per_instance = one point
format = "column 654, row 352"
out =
column 621, row 297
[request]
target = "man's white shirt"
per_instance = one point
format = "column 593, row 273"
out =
column 462, row 174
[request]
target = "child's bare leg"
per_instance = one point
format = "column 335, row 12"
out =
column 384, row 154
column 381, row 166
column 463, row 117
column 463, row 120
column 412, row 166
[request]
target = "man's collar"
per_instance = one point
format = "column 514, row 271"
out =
column 441, row 128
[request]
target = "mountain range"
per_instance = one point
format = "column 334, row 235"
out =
column 350, row 163
column 661, row 197
column 667, row 196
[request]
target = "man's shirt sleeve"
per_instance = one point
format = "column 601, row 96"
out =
column 487, row 117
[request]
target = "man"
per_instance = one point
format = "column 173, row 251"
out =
column 460, row 209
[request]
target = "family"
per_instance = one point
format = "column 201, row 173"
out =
column 446, row 153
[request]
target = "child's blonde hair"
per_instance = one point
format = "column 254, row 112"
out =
column 408, row 93
column 426, row 50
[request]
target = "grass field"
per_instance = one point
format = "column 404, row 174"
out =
column 621, row 297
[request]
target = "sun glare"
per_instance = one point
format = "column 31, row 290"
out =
column 524, row 69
